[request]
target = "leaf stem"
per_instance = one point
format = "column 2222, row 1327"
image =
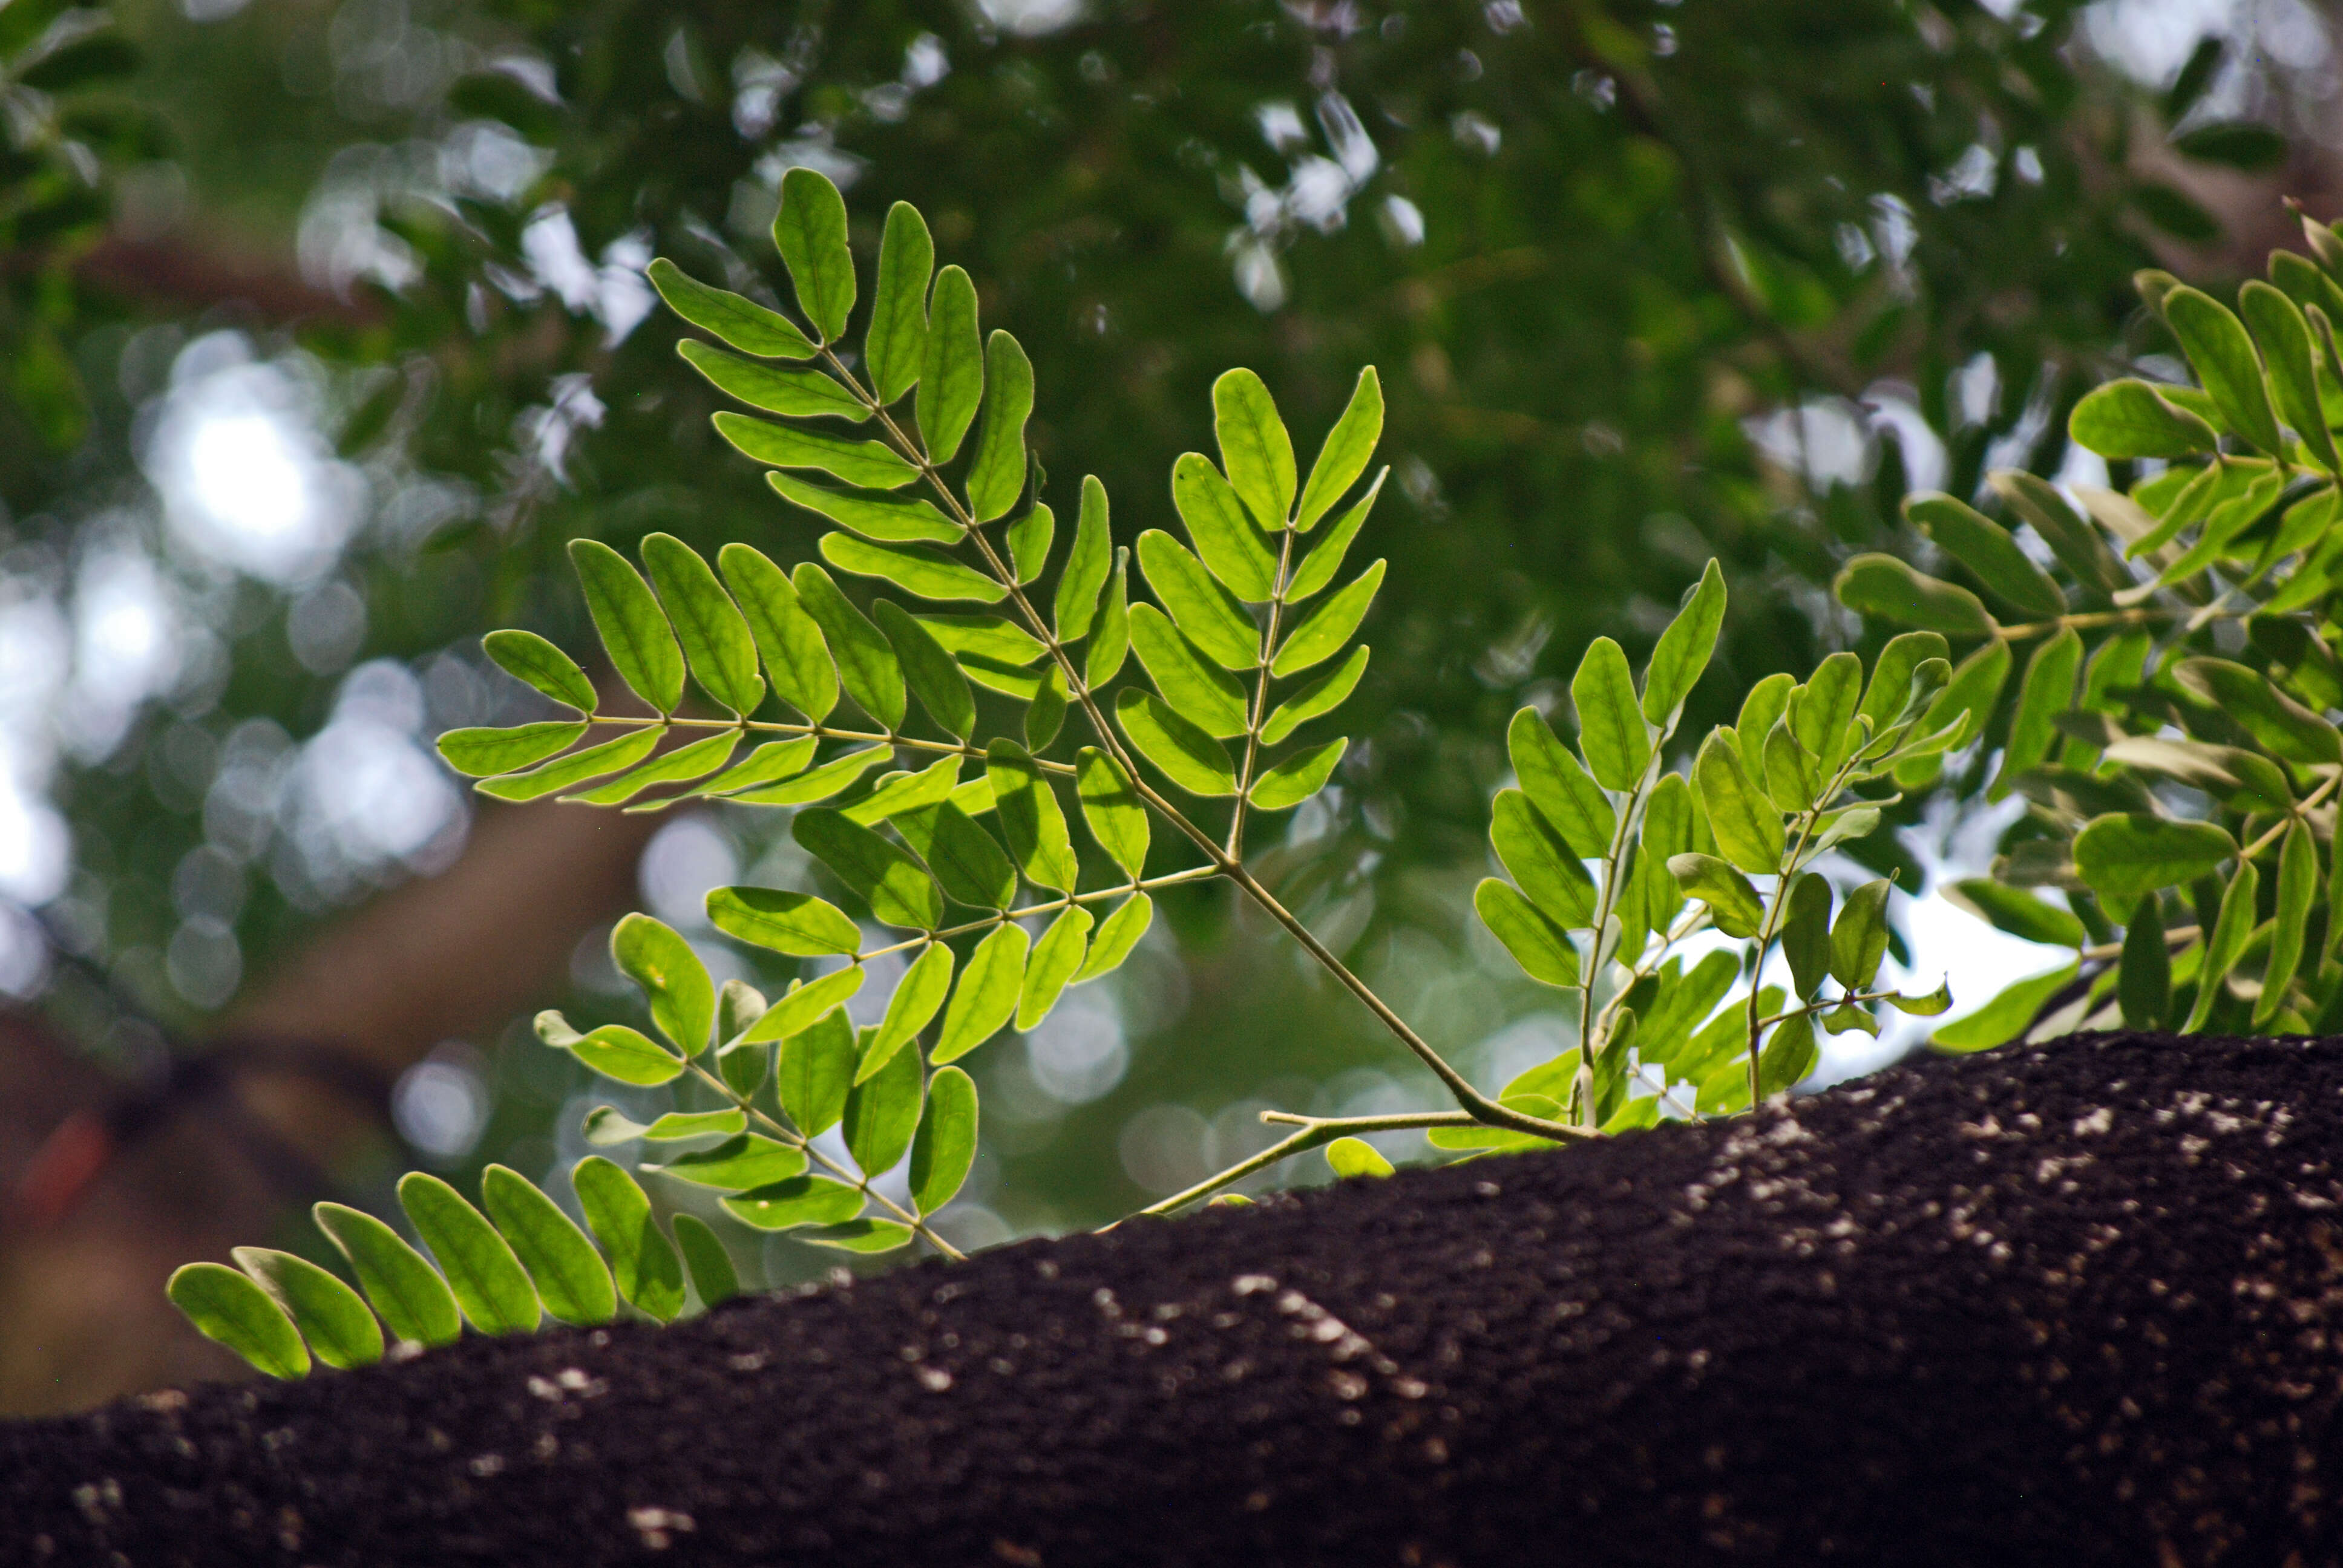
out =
column 1260, row 714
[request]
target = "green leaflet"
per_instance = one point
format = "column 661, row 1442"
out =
column 742, row 1160
column 2224, row 359
column 1540, row 863
column 800, row 394
column 1112, row 809
column 1185, row 754
column 1541, row 947
column 1571, row 802
column 1201, row 607
column 1858, row 939
column 1112, row 640
column 996, row 473
column 1345, row 456
column 684, row 762
column 789, row 638
column 1255, row 450
column 1029, row 543
column 742, row 323
column 1822, row 711
column 917, row 996
column 810, row 232
column 1891, row 691
column 704, row 1256
column 1051, row 965
column 643, row 1265
column 915, row 568
column 1683, row 648
column 1352, row 1157
column 477, row 753
column 2006, row 1016
column 491, row 1285
column 1806, row 934
column 890, row 519
column 2298, row 890
column 1970, row 695
column 815, row 1071
column 622, row 1053
column 1986, row 549
column 1116, row 936
column 1086, row 565
column 1667, row 830
column 569, row 1275
column 2283, row 725
column 986, row 637
column 1733, row 903
column 865, row 658
column 2284, row 337
column 1199, row 691
column 896, row 340
column 604, row 1125
column 900, row 792
column 986, row 995
column 332, row 1316
column 832, row 777
column 865, row 463
column 803, row 1006
column 965, row 861
column 2123, row 855
column 1236, row 551
column 1791, row 773
column 952, row 369
column 1789, row 1055
column 882, row 1113
column 1891, row 591
column 786, row 1205
column 1318, row 568
column 928, row 669
column 633, row 629
column 2074, row 542
column 2231, row 931
column 897, row 888
column 2017, row 911
column 1611, row 728
column 2131, row 418
column 2047, row 691
column 1030, row 817
column 945, row 1147
column 1321, row 696
column 1046, row 715
column 1325, row 629
column 406, row 1291
column 1767, row 701
column 675, row 982
column 228, row 1308
column 2144, row 981
column 865, row 1235
column 529, row 658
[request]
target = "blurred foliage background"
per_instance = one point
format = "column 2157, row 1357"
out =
column 325, row 329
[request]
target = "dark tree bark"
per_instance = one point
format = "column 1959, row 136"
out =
column 2073, row 1305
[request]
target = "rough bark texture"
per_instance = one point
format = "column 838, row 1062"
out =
column 2070, row 1304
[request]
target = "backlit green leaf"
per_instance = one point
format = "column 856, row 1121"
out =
column 1731, row 902
column 1345, row 456
column 796, row 657
column 864, row 1235
column 915, row 568
column 945, row 1147
column 633, row 629
column 815, row 1070
column 832, row 777
column 996, row 473
column 1324, row 631
column 627, row 1056
column 918, row 997
column 1789, row 1055
column 479, row 753
column 1086, row 566
column 801, row 1007
column 1184, row 753
column 800, row 394
column 2223, row 357
column 1747, row 828
column 332, row 1316
column 1198, row 690
column 1202, row 608
column 2132, row 418
column 1541, row 947
column 1236, row 551
column 970, row 867
column 1986, row 549
column 865, row 658
column 866, row 463
column 1683, row 648
column 951, row 372
column 799, row 1200
column 928, row 669
column 1557, row 785
column 1030, row 537
column 899, row 793
column 704, row 1256
column 675, row 982
column 1858, row 939
column 1891, row 691
column 1540, row 863
column 987, row 994
column 1318, row 568
column 1807, row 933
column 896, row 340
column 810, row 231
column 2284, row 336
column 528, row 657
column 643, row 1265
column 897, row 888
column 2047, row 691
column 1115, row 937
column 742, row 323
column 1611, row 728
column 1112, row 640
column 228, row 1308
column 983, row 636
column 684, row 763
column 743, row 1161
column 569, row 1275
column 1321, row 696
column 890, row 519
column 1030, row 817
column 882, row 1113
column 1353, row 1157
column 1046, row 714
column 2124, row 855
column 491, row 1285
column 576, row 768
column 1297, row 777
column 1255, row 450
column 413, row 1301
column 1821, row 713
column 1051, row 965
